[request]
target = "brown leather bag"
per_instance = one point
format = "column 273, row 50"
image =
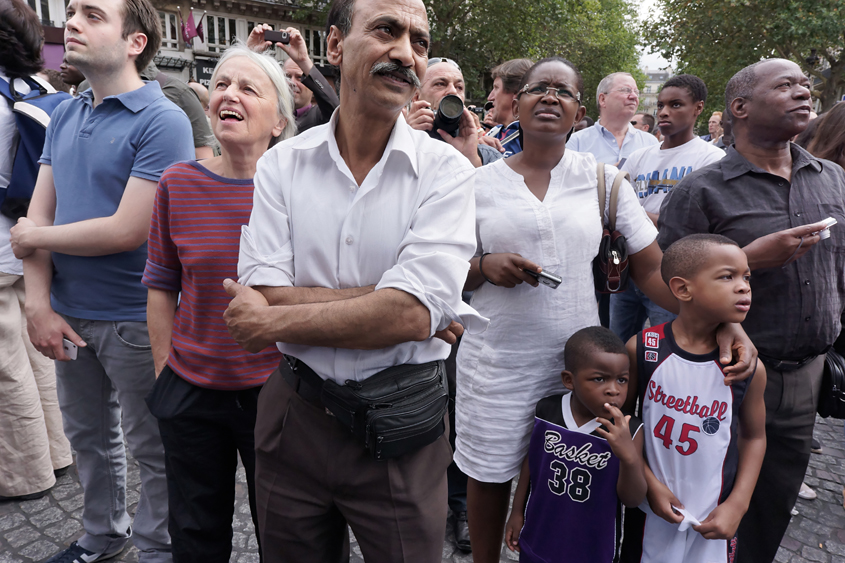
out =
column 610, row 267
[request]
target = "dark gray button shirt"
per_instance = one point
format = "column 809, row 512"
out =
column 796, row 310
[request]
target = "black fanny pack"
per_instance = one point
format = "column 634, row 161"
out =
column 393, row 412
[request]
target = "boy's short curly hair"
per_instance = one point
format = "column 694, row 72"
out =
column 690, row 82
column 686, row 256
column 21, row 39
column 586, row 342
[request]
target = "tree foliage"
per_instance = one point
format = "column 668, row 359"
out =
column 713, row 39
column 599, row 36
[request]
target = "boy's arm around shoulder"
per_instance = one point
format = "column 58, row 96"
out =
column 723, row 522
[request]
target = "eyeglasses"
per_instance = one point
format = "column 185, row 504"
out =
column 543, row 89
column 627, row 91
column 436, row 60
column 635, row 123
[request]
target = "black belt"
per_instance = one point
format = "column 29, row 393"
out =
column 301, row 377
column 787, row 365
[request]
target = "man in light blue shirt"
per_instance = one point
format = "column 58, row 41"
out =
column 613, row 137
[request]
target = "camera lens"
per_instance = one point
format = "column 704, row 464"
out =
column 451, row 107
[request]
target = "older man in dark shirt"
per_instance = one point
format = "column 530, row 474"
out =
column 770, row 195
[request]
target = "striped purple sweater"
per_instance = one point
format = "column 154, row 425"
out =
column 193, row 246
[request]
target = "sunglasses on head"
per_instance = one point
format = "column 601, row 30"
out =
column 436, row 60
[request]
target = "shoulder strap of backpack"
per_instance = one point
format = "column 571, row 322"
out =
column 614, row 197
column 35, row 83
column 602, row 189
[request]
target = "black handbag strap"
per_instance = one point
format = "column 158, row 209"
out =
column 614, row 195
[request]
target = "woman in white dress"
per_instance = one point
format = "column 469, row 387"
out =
column 536, row 209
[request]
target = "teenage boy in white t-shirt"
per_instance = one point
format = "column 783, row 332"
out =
column 655, row 170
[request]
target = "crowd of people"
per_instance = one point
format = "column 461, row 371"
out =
column 389, row 316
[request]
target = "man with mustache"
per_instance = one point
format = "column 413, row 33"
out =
column 771, row 196
column 353, row 262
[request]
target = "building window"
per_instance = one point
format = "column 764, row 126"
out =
column 220, row 32
column 169, row 31
column 316, row 41
column 42, row 8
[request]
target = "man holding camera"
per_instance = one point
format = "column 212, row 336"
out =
column 444, row 78
column 354, row 301
column 307, row 82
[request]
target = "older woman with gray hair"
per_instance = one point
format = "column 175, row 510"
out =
column 207, row 388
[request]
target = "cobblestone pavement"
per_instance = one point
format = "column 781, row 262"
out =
column 34, row 530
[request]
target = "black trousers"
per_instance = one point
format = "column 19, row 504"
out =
column 203, row 431
column 791, row 399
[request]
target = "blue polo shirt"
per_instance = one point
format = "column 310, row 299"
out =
column 601, row 143
column 93, row 152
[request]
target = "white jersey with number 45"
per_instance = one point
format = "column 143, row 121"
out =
column 690, row 421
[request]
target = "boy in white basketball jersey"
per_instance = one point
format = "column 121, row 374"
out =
column 704, row 440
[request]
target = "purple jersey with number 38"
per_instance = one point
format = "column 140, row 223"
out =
column 573, row 512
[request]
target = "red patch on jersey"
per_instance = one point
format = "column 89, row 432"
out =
column 651, row 339
column 650, row 356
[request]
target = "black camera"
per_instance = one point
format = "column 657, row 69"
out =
column 448, row 116
column 277, row 36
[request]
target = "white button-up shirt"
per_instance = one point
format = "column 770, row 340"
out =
column 409, row 226
column 601, row 143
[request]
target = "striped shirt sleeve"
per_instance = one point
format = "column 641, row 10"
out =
column 163, row 270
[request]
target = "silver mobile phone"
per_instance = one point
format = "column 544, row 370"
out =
column 546, row 278
column 70, row 348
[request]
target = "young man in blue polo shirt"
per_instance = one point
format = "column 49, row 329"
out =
column 84, row 250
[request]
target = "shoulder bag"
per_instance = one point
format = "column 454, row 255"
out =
column 610, row 267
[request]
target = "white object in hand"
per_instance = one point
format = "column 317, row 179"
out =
column 688, row 521
column 828, row 223
column 70, row 348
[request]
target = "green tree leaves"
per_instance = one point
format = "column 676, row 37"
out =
column 599, row 36
column 714, row 39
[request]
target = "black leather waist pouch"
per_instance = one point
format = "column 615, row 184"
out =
column 393, row 412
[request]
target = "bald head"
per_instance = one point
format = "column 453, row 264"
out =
column 202, row 94
column 768, row 101
column 440, row 80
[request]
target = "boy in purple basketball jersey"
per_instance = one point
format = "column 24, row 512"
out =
column 585, row 457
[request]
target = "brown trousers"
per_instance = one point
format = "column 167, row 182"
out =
column 312, row 478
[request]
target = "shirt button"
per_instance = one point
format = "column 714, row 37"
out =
column 780, row 184
column 807, row 319
column 351, row 188
column 806, row 282
column 798, row 214
column 349, row 240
